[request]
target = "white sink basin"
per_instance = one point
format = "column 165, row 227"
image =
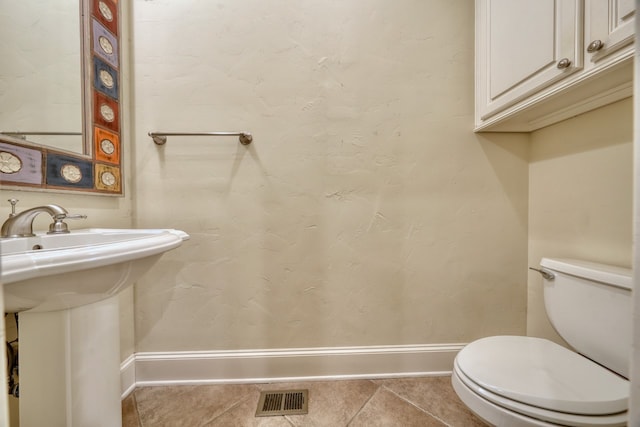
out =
column 58, row 271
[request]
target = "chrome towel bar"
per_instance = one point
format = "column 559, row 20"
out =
column 160, row 138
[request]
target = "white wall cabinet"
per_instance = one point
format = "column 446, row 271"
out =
column 542, row 61
column 609, row 26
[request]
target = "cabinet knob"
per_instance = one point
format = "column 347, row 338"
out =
column 564, row 63
column 595, row 46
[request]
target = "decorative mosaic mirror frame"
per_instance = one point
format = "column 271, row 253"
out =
column 33, row 167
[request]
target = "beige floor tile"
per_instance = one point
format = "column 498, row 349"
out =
column 436, row 396
column 386, row 409
column 130, row 412
column 331, row 403
column 428, row 401
column 188, row 406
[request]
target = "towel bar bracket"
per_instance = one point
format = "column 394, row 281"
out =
column 159, row 139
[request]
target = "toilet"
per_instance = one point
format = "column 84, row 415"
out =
column 525, row 381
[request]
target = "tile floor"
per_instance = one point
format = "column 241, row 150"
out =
column 425, row 401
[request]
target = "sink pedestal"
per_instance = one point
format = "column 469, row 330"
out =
column 70, row 366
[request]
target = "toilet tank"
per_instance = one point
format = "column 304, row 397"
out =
column 590, row 306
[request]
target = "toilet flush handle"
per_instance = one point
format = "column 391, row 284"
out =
column 545, row 273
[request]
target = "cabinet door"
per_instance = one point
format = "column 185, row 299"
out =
column 609, row 27
column 523, row 46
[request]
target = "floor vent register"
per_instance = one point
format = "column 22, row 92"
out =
column 285, row 402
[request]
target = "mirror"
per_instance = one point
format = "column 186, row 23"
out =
column 60, row 96
column 41, row 72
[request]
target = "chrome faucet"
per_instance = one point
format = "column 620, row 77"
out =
column 21, row 224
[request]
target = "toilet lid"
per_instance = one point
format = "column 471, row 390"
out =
column 541, row 373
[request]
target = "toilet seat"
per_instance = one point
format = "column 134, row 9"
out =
column 540, row 379
column 526, row 416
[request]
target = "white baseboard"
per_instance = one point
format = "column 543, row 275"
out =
column 128, row 375
column 255, row 366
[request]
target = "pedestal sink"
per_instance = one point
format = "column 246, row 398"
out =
column 64, row 287
column 56, row 271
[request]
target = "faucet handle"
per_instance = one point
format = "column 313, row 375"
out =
column 58, row 226
column 72, row 216
column 13, row 202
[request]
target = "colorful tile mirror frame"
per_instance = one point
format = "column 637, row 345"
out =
column 36, row 167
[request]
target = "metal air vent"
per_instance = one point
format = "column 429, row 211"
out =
column 285, row 402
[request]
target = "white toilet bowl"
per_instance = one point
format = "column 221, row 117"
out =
column 525, row 381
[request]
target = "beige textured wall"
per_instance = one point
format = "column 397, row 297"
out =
column 580, row 196
column 366, row 212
